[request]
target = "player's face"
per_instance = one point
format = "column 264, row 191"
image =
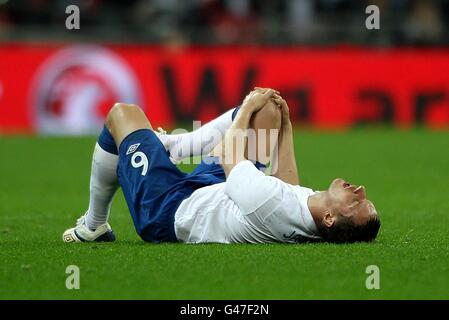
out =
column 350, row 200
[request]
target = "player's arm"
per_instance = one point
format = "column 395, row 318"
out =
column 251, row 189
column 284, row 161
column 234, row 143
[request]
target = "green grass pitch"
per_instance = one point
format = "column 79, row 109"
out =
column 44, row 188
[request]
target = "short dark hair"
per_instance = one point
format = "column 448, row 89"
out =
column 345, row 230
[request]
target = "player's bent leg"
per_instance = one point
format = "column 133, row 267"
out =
column 93, row 226
column 198, row 142
column 263, row 136
column 123, row 119
column 146, row 175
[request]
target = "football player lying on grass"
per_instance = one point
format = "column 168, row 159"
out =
column 227, row 198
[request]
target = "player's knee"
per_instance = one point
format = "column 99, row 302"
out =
column 269, row 117
column 119, row 112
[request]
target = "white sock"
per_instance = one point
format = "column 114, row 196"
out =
column 198, row 142
column 103, row 184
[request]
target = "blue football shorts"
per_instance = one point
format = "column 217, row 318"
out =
column 154, row 187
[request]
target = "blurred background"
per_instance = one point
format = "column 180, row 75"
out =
column 218, row 22
column 184, row 60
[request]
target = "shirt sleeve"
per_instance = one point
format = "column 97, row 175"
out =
column 248, row 187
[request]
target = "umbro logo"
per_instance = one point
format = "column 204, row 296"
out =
column 68, row 238
column 132, row 148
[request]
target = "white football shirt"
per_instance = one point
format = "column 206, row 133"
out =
column 249, row 207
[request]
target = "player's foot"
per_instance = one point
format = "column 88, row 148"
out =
column 81, row 233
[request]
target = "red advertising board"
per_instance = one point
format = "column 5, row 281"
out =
column 54, row 89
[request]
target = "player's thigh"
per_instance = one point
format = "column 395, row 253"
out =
column 264, row 133
column 124, row 119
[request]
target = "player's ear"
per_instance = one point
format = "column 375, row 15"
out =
column 329, row 219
